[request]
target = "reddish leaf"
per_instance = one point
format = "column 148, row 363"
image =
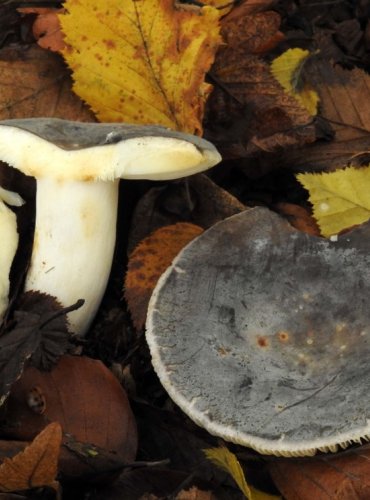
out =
column 81, row 394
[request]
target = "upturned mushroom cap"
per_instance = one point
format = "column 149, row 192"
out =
column 260, row 333
column 51, row 147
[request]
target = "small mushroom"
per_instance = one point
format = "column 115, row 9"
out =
column 9, row 243
column 261, row 334
column 77, row 167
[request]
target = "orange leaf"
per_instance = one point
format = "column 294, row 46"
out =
column 37, row 465
column 46, row 27
column 149, row 260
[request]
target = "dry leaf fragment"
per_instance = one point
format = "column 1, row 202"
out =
column 340, row 199
column 299, row 217
column 195, row 493
column 141, row 61
column 287, row 69
column 34, row 83
column 37, row 465
column 344, row 476
column 149, row 260
column 227, row 461
column 46, row 27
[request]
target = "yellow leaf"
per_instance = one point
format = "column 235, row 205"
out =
column 340, row 199
column 227, row 461
column 287, row 70
column 141, row 61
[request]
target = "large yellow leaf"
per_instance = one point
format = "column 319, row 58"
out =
column 340, row 199
column 287, row 69
column 141, row 61
column 227, row 461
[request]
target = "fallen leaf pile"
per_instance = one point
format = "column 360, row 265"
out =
column 277, row 87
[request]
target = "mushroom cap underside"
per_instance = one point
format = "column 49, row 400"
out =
column 101, row 151
column 260, row 333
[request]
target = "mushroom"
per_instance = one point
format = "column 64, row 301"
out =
column 77, row 167
column 9, row 243
column 266, row 343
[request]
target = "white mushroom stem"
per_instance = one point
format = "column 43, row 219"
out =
column 74, row 241
column 9, row 243
column 77, row 167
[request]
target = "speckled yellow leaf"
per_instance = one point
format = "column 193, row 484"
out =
column 340, row 199
column 227, row 461
column 287, row 71
column 141, row 61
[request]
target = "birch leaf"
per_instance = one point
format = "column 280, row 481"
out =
column 141, row 61
column 287, row 69
column 340, row 199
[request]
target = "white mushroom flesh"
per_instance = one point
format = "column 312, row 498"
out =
column 73, row 247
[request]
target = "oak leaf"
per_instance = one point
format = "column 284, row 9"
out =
column 141, row 61
column 37, row 465
column 340, row 199
column 149, row 260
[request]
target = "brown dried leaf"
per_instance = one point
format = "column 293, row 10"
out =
column 37, row 465
column 149, row 260
column 35, row 82
column 338, row 477
column 342, row 97
column 248, row 111
column 81, row 394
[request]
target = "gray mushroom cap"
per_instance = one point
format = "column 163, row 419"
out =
column 68, row 150
column 261, row 334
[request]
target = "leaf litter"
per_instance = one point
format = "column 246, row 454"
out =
column 244, row 125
